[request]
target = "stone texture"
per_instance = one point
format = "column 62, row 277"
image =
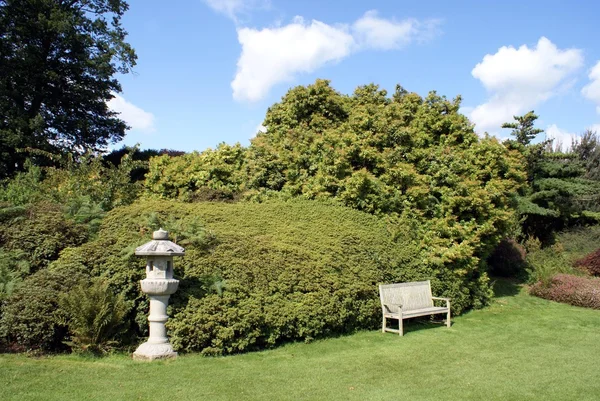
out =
column 159, row 284
column 160, row 246
column 150, row 352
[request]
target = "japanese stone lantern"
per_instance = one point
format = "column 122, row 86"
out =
column 159, row 284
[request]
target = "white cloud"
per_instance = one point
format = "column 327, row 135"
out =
column 261, row 128
column 561, row 139
column 520, row 79
column 134, row 116
column 274, row 55
column 371, row 31
column 592, row 90
column 233, row 8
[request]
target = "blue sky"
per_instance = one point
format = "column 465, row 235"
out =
column 208, row 70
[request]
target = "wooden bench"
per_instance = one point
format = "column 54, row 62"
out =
column 406, row 300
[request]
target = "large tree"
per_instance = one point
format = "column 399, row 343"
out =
column 58, row 60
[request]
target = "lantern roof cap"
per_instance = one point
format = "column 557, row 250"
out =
column 160, row 246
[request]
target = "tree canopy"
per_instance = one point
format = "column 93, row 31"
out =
column 523, row 128
column 58, row 61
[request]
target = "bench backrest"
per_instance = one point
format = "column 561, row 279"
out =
column 411, row 296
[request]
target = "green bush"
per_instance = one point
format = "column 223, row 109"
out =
column 14, row 266
column 544, row 263
column 209, row 175
column 94, row 316
column 87, row 183
column 31, row 318
column 111, row 255
column 33, row 236
column 259, row 274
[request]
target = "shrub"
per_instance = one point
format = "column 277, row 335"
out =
column 94, row 316
column 508, row 259
column 210, row 175
column 14, row 266
column 25, row 187
column 581, row 241
column 544, row 264
column 259, row 274
column 570, row 246
column 570, row 289
column 111, row 255
column 37, row 233
column 31, row 316
column 85, row 180
column 591, row 263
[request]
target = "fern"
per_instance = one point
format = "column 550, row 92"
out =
column 95, row 317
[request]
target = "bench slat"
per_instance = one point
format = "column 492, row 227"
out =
column 419, row 312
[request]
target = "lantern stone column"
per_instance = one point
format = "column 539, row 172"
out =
column 159, row 284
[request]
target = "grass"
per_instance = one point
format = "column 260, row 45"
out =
column 519, row 348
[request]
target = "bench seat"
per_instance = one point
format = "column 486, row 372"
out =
column 418, row 312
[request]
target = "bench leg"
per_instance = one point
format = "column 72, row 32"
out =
column 383, row 325
column 448, row 319
column 400, row 328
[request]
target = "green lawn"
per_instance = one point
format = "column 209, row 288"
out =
column 520, row 348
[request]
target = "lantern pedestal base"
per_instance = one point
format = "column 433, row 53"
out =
column 150, row 352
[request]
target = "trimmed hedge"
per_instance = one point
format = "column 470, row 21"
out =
column 255, row 275
column 570, row 289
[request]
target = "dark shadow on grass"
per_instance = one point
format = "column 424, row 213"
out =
column 505, row 287
column 418, row 324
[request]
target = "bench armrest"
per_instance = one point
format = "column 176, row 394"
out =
column 447, row 300
column 397, row 305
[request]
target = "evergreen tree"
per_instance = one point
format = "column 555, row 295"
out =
column 58, row 59
column 560, row 193
column 523, row 129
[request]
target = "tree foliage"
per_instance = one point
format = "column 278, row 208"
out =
column 523, row 128
column 561, row 190
column 587, row 150
column 58, row 61
column 214, row 174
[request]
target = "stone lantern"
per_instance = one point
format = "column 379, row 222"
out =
column 159, row 284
